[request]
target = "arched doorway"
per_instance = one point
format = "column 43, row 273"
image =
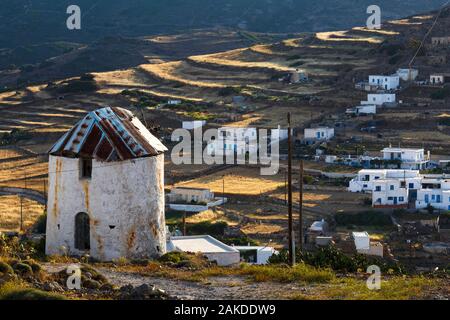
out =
column 82, row 231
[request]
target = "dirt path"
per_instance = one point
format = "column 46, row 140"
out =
column 217, row 288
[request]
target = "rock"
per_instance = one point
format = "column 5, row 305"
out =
column 142, row 292
column 92, row 284
column 107, row 287
column 52, row 286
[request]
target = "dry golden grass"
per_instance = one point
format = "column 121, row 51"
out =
column 168, row 71
column 231, row 61
column 10, row 212
column 246, row 181
column 344, row 36
column 380, row 31
column 28, row 173
column 9, row 153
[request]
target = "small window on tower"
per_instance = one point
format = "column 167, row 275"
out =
column 86, row 168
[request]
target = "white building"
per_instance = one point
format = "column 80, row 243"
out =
column 208, row 246
column 439, row 78
column 391, row 82
column 408, row 74
column 237, row 141
column 191, row 125
column 379, row 99
column 256, row 254
column 435, row 192
column 193, row 199
column 390, row 193
column 106, row 189
column 319, row 134
column 412, row 159
column 364, row 181
column 363, row 110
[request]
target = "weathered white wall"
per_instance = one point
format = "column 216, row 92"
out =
column 128, row 195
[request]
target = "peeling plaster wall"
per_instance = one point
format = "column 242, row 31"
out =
column 128, row 195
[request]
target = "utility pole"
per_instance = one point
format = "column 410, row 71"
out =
column 45, row 194
column 285, row 187
column 300, row 211
column 21, row 213
column 184, row 223
column 290, row 225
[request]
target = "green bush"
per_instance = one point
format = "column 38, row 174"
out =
column 335, row 259
column 30, row 294
column 40, row 225
column 6, row 268
column 173, row 257
column 206, row 227
column 366, row 218
column 23, row 269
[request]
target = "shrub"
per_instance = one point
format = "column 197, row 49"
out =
column 23, row 269
column 40, row 225
column 366, row 218
column 206, row 227
column 284, row 273
column 335, row 259
column 173, row 257
column 29, row 294
column 5, row 268
column 228, row 91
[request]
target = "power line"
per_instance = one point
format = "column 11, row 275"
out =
column 428, row 33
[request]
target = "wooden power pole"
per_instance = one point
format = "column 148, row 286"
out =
column 290, row 224
column 300, row 211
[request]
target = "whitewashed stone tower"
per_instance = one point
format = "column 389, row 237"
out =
column 106, row 189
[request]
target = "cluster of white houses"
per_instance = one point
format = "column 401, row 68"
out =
column 391, row 158
column 403, row 188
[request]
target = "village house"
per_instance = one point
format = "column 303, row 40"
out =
column 364, row 245
column 362, row 110
column 408, row 74
column 298, row 76
column 379, row 99
column 213, row 249
column 364, row 181
column 391, row 82
column 440, row 41
column 106, row 189
column 439, row 78
column 259, row 255
column 193, row 199
column 238, row 141
column 437, row 60
column 191, row 125
column 434, row 192
column 312, row 135
column 411, row 159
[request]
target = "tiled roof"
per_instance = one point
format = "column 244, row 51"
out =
column 108, row 134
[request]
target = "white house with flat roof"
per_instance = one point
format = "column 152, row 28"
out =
column 233, row 140
column 364, row 181
column 435, row 192
column 391, row 82
column 412, row 159
column 256, row 254
column 319, row 134
column 363, row 110
column 390, row 193
column 210, row 247
column 379, row 99
column 408, row 74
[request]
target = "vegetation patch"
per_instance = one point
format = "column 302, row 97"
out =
column 366, row 218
